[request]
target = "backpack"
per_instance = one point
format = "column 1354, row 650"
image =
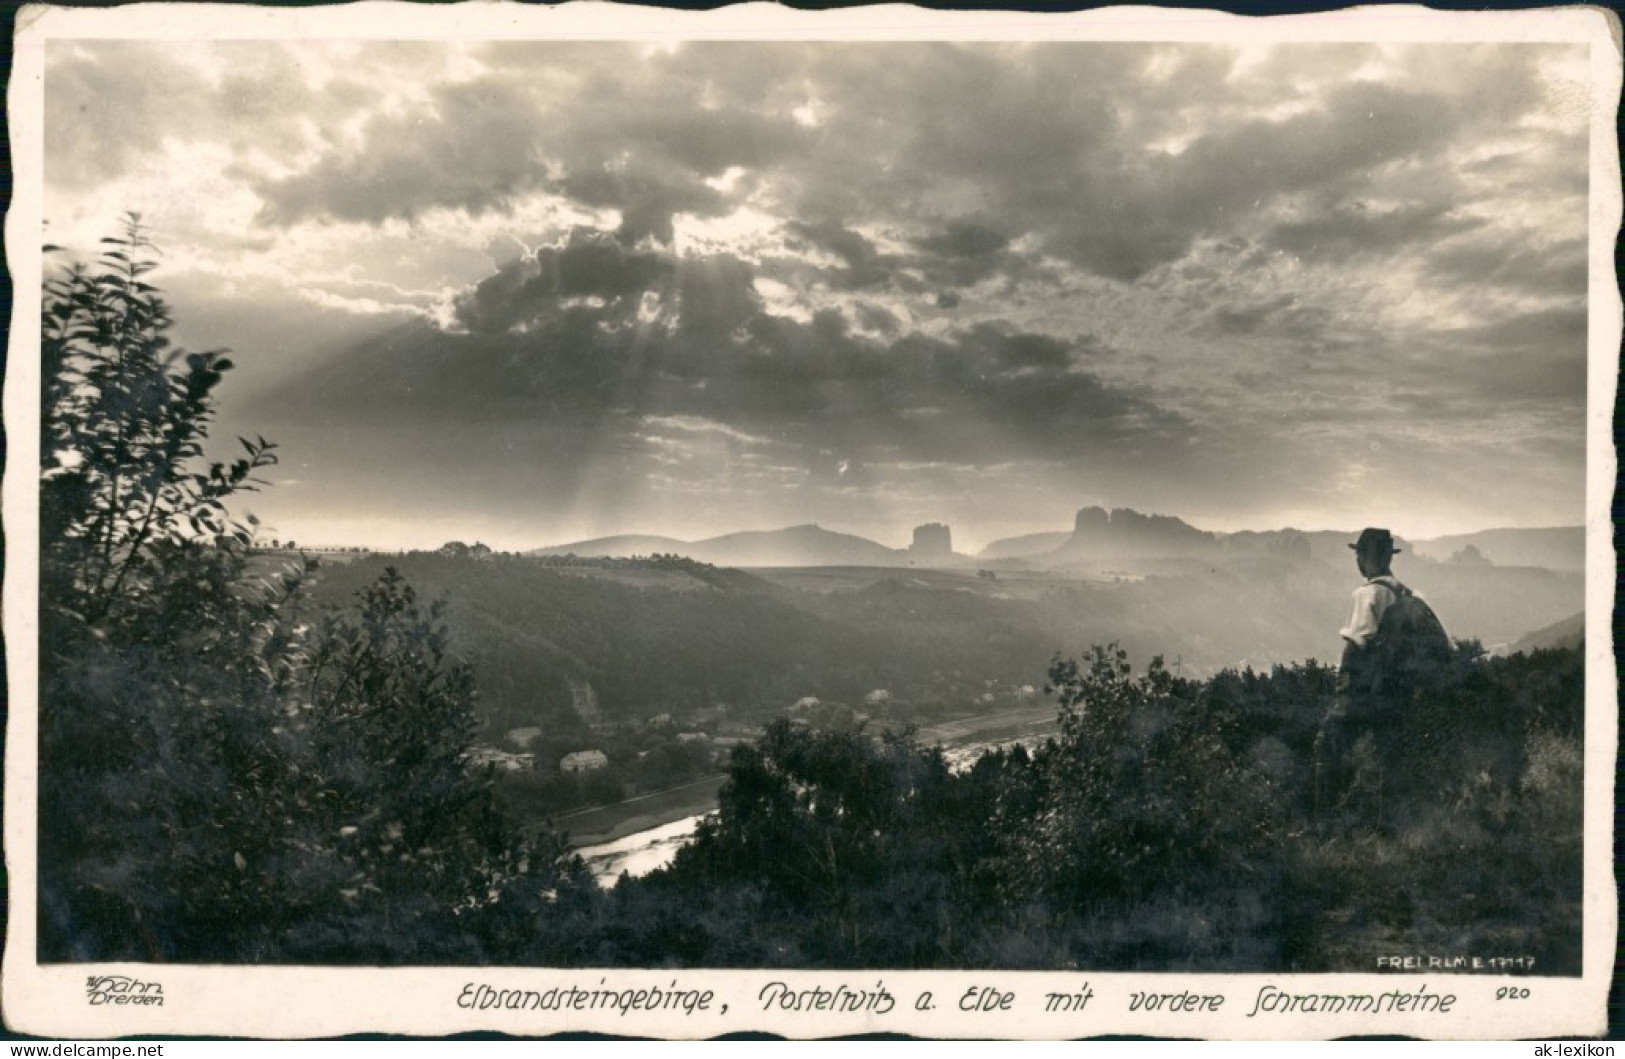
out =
column 1410, row 635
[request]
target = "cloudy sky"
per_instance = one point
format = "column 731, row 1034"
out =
column 534, row 292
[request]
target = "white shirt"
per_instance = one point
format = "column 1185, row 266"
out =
column 1371, row 600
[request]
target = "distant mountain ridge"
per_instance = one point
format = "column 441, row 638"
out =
column 1570, row 632
column 1554, row 547
column 806, row 545
column 1123, row 533
column 1098, row 536
column 621, row 546
column 1028, row 544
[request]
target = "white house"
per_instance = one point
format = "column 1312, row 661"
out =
column 480, row 756
column 583, row 761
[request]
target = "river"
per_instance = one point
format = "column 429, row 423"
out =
column 644, row 851
column 641, row 852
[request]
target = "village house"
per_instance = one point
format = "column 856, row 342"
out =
column 583, row 761
column 480, row 756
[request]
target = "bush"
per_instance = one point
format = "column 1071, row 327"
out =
column 157, row 673
column 1166, row 827
column 219, row 781
column 1143, row 792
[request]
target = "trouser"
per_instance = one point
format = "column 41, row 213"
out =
column 1353, row 745
column 1348, row 767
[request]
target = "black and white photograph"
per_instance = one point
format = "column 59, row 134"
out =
column 811, row 522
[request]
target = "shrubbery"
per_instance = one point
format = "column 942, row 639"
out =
column 1168, row 826
column 1146, row 789
column 219, row 780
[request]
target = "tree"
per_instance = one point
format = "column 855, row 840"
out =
column 831, row 847
column 125, row 417
column 148, row 652
column 1143, row 790
column 219, row 779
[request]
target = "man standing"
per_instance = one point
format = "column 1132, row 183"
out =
column 1361, row 673
column 1388, row 635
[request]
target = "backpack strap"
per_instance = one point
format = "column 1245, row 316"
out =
column 1389, row 614
column 1392, row 584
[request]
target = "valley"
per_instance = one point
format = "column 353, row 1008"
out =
column 612, row 689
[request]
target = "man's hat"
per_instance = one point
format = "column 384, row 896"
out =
column 1375, row 540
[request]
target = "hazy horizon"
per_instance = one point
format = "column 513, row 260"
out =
column 963, row 545
column 535, row 293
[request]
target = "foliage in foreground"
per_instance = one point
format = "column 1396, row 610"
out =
column 220, row 778
column 1169, row 826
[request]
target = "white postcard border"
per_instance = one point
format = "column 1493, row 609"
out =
column 51, row 1000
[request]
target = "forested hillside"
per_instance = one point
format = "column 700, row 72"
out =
column 672, row 636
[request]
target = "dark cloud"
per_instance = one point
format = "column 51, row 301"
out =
column 862, row 265
column 1518, row 263
column 718, row 297
column 473, row 148
column 1361, row 127
column 1549, row 330
column 595, row 333
column 1514, row 379
column 874, row 317
column 1153, row 211
column 593, row 123
column 988, row 392
column 1532, row 362
column 1248, row 319
column 964, row 239
column 1016, row 352
column 957, row 255
column 100, row 120
column 1011, row 394
column 943, row 131
column 964, row 253
column 822, row 352
column 1039, row 142
column 1358, row 229
column 646, row 202
column 590, row 272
